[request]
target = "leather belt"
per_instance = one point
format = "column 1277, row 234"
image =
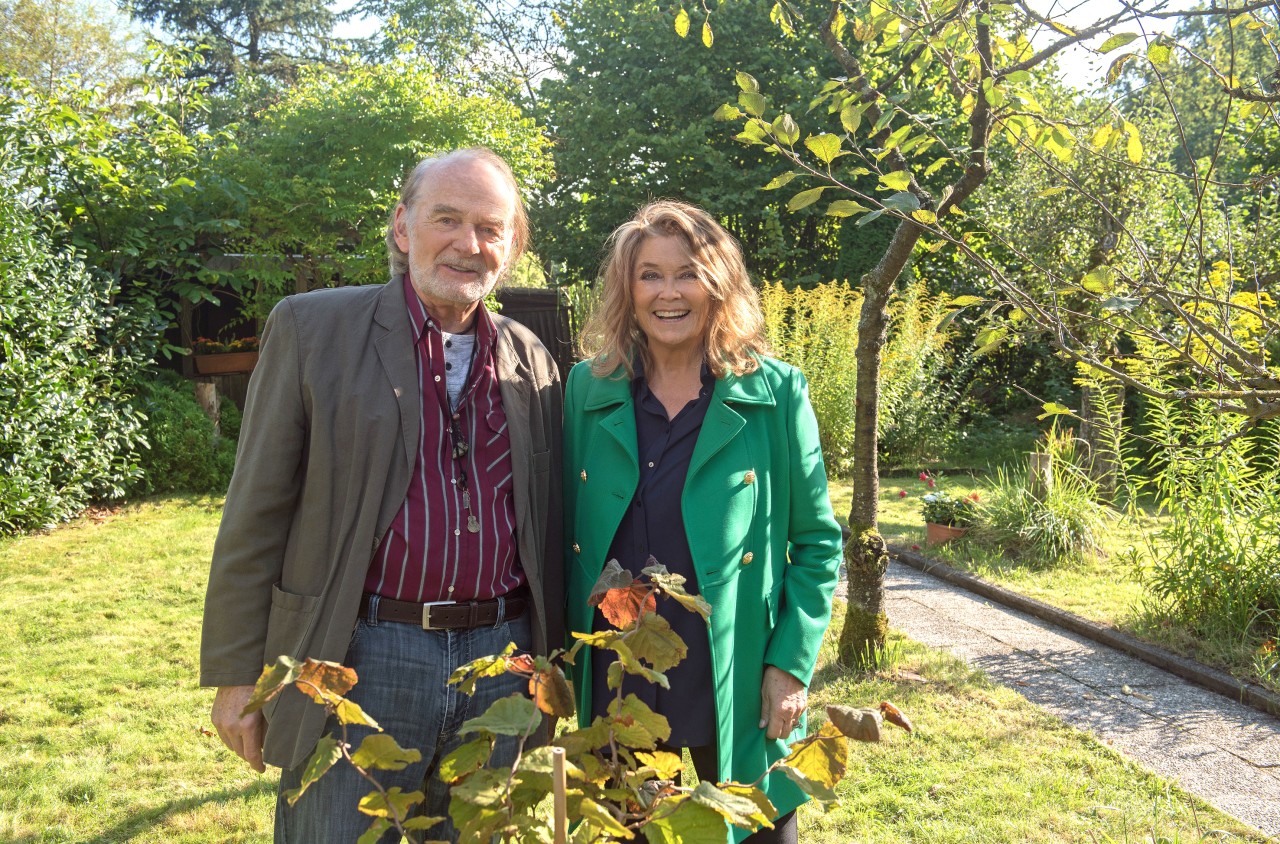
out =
column 447, row 615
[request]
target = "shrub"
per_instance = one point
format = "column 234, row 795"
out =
column 816, row 329
column 1044, row 525
column 1213, row 560
column 920, row 381
column 68, row 432
column 944, row 508
column 183, row 453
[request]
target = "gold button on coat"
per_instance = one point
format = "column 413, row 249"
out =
column 747, row 558
column 583, row 474
column 749, row 477
column 576, row 549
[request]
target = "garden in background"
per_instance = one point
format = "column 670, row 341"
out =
column 1033, row 308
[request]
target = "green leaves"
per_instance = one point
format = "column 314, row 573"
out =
column 817, row 763
column 383, row 752
column 1053, row 409
column 781, row 180
column 805, row 198
column 898, row 180
column 514, row 715
column 752, row 102
column 1117, row 41
column 786, row 130
column 1100, row 280
column 327, row 752
column 826, row 147
column 845, row 208
column 737, row 809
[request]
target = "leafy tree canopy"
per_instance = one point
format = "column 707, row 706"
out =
column 47, row 41
column 322, row 194
column 263, row 36
column 633, row 117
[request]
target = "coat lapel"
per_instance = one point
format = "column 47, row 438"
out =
column 395, row 351
column 722, row 422
column 621, row 423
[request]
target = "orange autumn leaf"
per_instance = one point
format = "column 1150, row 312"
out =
column 622, row 607
column 522, row 664
column 894, row 716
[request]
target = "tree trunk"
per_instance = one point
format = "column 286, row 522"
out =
column 866, row 558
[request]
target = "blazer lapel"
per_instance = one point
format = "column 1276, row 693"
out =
column 515, row 383
column 395, row 351
column 621, row 423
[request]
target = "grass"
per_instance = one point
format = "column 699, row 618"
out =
column 1102, row 588
column 103, row 732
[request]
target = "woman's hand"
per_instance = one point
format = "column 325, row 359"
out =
column 782, row 701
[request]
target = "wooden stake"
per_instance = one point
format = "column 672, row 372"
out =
column 557, row 786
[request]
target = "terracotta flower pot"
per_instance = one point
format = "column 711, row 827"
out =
column 225, row 363
column 935, row 534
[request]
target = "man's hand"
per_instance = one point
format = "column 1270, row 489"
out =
column 782, row 702
column 242, row 734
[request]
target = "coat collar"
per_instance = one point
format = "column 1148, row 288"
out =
column 752, row 388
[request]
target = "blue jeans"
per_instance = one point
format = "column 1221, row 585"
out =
column 403, row 671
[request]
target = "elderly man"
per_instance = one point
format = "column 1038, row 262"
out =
column 395, row 504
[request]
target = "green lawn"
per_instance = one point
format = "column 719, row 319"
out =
column 1101, row 588
column 103, row 732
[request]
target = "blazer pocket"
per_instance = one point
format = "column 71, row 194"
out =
column 542, row 462
column 287, row 629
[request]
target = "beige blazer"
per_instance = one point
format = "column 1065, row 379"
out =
column 325, row 457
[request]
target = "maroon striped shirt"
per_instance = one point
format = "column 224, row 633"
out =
column 428, row 554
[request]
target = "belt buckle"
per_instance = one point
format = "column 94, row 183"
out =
column 426, row 613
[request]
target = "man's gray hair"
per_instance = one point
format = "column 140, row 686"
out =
column 412, row 190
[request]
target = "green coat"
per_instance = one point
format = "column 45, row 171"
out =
column 765, row 544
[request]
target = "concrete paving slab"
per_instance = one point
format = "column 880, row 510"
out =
column 1212, row 746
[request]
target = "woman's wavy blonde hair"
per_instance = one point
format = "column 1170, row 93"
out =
column 735, row 325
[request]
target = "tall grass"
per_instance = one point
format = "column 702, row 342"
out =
column 1045, row 524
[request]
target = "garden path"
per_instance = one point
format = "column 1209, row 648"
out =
column 1224, row 752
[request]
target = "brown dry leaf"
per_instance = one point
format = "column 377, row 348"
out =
column 857, row 724
column 623, row 606
column 322, row 680
column 894, row 716
column 552, row 693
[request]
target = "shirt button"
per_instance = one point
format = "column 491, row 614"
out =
column 437, row 377
column 747, row 557
column 749, row 477
column 650, row 464
column 576, row 549
column 457, row 532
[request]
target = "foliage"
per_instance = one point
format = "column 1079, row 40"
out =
column 632, row 113
column 130, row 192
column 618, row 779
column 1212, row 563
column 182, row 450
column 47, row 41
column 323, row 197
column 921, row 380
column 810, row 328
column 1044, row 522
column 262, row 36
column 68, row 433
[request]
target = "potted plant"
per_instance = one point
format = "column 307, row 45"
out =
column 948, row 516
column 223, row 357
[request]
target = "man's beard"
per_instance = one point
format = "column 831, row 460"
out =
column 429, row 284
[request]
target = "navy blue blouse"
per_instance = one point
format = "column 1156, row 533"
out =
column 654, row 526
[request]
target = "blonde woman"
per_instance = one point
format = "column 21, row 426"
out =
column 684, row 441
